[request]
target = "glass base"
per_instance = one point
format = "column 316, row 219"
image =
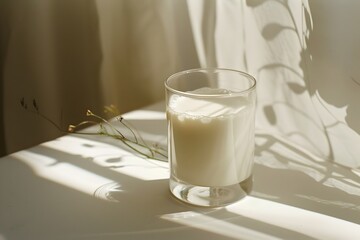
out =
column 210, row 196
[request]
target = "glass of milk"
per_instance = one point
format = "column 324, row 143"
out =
column 211, row 118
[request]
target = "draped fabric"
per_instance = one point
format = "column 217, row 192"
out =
column 75, row 55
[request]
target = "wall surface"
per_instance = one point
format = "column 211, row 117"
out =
column 76, row 55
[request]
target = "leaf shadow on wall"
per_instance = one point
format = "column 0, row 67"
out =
column 319, row 93
column 329, row 57
column 286, row 172
column 332, row 65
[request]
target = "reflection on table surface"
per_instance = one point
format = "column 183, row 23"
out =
column 78, row 187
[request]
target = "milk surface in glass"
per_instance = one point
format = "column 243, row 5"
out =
column 212, row 139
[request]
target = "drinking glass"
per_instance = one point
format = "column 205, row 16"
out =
column 210, row 117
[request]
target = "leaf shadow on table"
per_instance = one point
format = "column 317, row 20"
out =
column 56, row 193
column 79, row 187
column 47, row 200
column 51, row 201
column 287, row 174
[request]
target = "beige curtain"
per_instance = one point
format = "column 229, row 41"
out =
column 75, row 55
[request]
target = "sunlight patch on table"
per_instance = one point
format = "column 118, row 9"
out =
column 217, row 226
column 62, row 173
column 356, row 171
column 345, row 186
column 295, row 219
column 114, row 158
column 145, row 115
column 84, row 147
column 140, row 168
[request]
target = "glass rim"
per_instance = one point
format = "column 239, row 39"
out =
column 221, row 95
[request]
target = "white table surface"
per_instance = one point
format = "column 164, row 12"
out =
column 78, row 187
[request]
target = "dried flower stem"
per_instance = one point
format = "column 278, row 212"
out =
column 127, row 141
column 132, row 142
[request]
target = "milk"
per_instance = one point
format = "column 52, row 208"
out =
column 211, row 139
